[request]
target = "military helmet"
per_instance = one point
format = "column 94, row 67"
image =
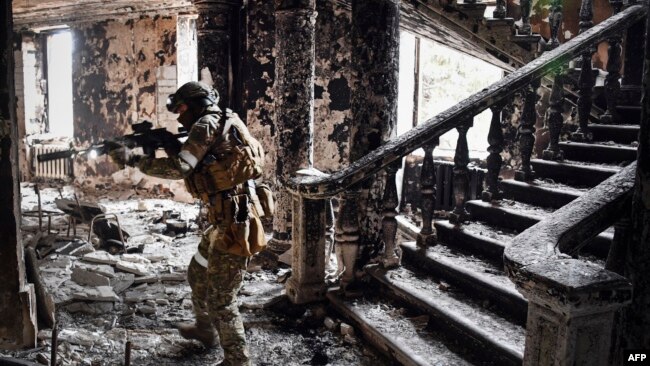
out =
column 194, row 94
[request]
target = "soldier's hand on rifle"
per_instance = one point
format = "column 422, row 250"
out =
column 173, row 148
column 121, row 154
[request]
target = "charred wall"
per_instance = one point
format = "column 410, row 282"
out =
column 331, row 88
column 114, row 75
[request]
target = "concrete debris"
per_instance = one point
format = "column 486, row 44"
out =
column 286, row 257
column 83, row 276
column 91, row 308
column 146, row 309
column 122, row 281
column 330, row 324
column 260, row 295
column 135, row 268
column 146, row 279
column 99, row 293
column 350, row 339
column 74, row 248
column 143, row 206
column 347, row 329
column 102, row 269
column 135, row 258
column 100, row 257
column 173, row 277
column 83, row 250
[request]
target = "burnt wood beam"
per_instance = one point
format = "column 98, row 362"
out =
column 494, row 160
column 397, row 147
column 427, row 235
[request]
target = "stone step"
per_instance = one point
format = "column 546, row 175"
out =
column 404, row 339
column 473, row 236
column 622, row 134
column 539, row 193
column 482, row 278
column 573, row 173
column 598, row 152
column 520, row 217
column 456, row 314
column 629, row 114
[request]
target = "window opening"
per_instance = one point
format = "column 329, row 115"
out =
column 59, row 83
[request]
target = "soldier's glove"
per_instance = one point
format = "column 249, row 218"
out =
column 122, row 155
column 173, row 148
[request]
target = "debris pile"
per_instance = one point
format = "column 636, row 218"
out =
column 104, row 298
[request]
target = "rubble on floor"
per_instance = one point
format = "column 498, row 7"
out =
column 105, row 299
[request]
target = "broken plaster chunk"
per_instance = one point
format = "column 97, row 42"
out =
column 83, row 276
column 347, row 329
column 330, row 323
column 91, row 308
column 135, row 258
column 100, row 293
column 102, row 269
column 122, row 281
column 135, row 268
column 100, row 257
column 83, row 250
column 143, row 206
column 146, row 309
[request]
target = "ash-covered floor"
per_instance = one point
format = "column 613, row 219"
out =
column 104, row 300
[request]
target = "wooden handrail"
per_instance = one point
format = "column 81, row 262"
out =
column 323, row 186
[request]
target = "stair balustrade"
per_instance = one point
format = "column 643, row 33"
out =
column 566, row 296
column 571, row 299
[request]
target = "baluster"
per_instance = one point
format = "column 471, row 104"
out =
column 554, row 119
column 391, row 258
column 555, row 23
column 500, row 10
column 525, row 18
column 494, row 160
column 586, row 79
column 461, row 174
column 428, row 236
column 614, row 63
column 329, row 238
column 347, row 236
column 618, row 249
column 526, row 132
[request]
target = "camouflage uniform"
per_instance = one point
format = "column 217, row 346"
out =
column 214, row 291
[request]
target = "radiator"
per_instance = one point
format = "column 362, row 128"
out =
column 53, row 169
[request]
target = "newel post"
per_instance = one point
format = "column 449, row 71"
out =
column 571, row 308
column 307, row 282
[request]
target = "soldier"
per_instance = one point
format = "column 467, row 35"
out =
column 218, row 161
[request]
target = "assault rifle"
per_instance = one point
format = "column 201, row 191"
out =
column 144, row 136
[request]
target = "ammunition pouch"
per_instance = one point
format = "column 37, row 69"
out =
column 244, row 234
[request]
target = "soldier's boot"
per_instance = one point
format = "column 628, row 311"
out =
column 201, row 331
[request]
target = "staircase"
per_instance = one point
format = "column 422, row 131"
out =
column 452, row 303
column 452, row 300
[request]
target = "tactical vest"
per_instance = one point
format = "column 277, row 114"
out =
column 236, row 158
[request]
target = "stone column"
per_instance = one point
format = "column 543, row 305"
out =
column 18, row 321
column 217, row 29
column 294, row 101
column 637, row 264
column 375, row 61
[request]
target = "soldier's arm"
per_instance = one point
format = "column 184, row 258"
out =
column 202, row 135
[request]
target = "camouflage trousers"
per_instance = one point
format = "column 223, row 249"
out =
column 214, row 296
